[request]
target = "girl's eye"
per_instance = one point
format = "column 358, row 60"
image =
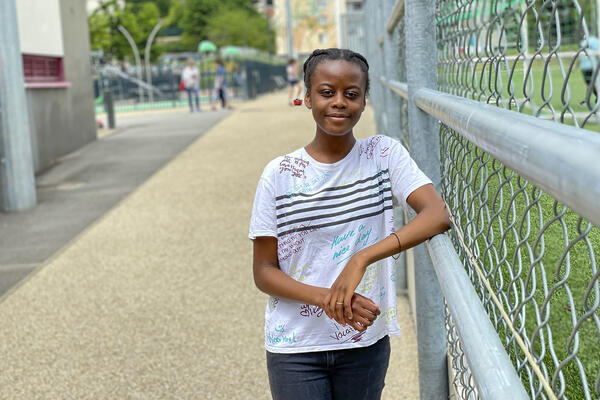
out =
column 352, row 94
column 327, row 92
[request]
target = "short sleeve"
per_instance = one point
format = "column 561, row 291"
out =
column 405, row 175
column 264, row 218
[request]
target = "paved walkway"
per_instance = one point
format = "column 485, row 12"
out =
column 156, row 299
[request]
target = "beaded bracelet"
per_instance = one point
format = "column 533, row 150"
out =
column 399, row 246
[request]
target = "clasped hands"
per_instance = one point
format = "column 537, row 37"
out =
column 344, row 305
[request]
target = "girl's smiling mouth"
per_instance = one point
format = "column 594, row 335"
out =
column 337, row 117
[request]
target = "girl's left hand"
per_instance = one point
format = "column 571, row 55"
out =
column 342, row 290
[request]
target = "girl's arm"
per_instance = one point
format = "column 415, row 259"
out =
column 432, row 218
column 273, row 281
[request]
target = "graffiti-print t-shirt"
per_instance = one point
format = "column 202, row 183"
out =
column 322, row 214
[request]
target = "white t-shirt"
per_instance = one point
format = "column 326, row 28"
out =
column 292, row 72
column 190, row 77
column 321, row 214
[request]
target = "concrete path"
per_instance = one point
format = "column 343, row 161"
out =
column 85, row 184
column 156, row 299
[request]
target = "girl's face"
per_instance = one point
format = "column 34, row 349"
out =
column 337, row 96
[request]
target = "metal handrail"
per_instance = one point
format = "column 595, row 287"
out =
column 492, row 370
column 401, row 88
column 559, row 159
column 396, row 16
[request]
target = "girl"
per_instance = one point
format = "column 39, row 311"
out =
column 322, row 225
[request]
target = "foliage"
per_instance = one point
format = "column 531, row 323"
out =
column 137, row 19
column 192, row 16
column 225, row 22
column 163, row 5
column 239, row 28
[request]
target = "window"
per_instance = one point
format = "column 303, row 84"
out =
column 354, row 5
column 42, row 69
column 322, row 37
column 323, row 20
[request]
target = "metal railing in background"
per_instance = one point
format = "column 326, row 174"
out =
column 508, row 89
column 247, row 80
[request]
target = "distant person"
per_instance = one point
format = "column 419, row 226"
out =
column 589, row 62
column 293, row 81
column 221, row 86
column 190, row 76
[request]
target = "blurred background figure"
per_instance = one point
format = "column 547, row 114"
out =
column 589, row 62
column 221, row 86
column 294, row 82
column 190, row 76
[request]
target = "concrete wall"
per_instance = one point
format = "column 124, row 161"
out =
column 44, row 15
column 63, row 119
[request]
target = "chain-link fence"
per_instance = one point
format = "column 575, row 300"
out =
column 536, row 57
column 521, row 178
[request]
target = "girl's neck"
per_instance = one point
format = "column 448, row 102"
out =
column 330, row 149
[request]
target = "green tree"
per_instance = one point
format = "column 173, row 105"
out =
column 192, row 16
column 104, row 34
column 208, row 19
column 162, row 5
column 239, row 27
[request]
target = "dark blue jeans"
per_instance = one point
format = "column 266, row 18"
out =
column 353, row 374
column 193, row 92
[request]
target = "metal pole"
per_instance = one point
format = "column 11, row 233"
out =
column 494, row 374
column 421, row 71
column 138, row 63
column 109, row 108
column 147, row 60
column 373, row 55
column 383, row 91
column 338, row 22
column 290, row 36
column 17, row 181
column 392, row 61
column 597, row 18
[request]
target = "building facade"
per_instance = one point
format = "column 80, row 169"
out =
column 54, row 40
column 315, row 24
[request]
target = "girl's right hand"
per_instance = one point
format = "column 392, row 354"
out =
column 365, row 310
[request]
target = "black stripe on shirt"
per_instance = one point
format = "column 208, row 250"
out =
column 289, row 196
column 345, row 203
column 336, row 214
column 344, row 221
column 337, row 196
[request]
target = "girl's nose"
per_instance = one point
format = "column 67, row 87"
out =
column 339, row 100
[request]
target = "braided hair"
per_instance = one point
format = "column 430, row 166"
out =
column 320, row 55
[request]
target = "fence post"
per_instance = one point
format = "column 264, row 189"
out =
column 392, row 110
column 175, row 88
column 372, row 50
column 109, row 107
column 17, row 181
column 421, row 66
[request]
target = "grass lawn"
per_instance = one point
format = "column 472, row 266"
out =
column 540, row 90
column 539, row 256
